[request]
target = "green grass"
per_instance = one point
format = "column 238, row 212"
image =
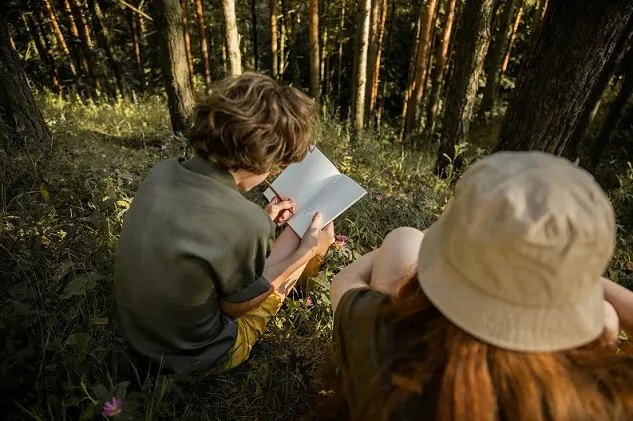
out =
column 62, row 205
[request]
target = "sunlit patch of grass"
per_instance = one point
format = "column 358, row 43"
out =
column 61, row 213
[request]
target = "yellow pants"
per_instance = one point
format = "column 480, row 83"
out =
column 250, row 327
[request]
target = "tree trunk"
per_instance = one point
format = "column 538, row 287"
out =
column 412, row 120
column 341, row 41
column 293, row 40
column 136, row 46
column 515, row 29
column 360, row 68
column 59, row 36
column 471, row 43
column 375, row 81
column 380, row 101
column 491, row 90
column 254, row 40
column 272, row 7
column 18, row 112
column 576, row 41
column 204, row 49
column 167, row 15
column 83, row 33
column 33, row 27
column 79, row 56
column 619, row 108
column 185, row 28
column 232, row 38
column 284, row 29
column 411, row 71
column 593, row 102
column 313, row 40
column 103, row 36
column 437, row 75
column 372, row 52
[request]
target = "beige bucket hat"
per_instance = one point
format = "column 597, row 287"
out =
column 516, row 257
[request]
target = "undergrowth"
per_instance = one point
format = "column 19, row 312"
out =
column 62, row 205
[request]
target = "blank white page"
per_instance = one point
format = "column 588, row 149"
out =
column 303, row 180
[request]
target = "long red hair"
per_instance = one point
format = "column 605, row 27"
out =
column 433, row 362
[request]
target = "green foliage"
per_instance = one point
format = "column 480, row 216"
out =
column 61, row 214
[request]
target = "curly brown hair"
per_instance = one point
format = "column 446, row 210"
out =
column 253, row 123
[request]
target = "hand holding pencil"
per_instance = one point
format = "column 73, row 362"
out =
column 281, row 208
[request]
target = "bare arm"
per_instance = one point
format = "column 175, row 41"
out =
column 356, row 275
column 622, row 300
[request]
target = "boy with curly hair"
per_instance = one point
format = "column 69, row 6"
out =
column 198, row 272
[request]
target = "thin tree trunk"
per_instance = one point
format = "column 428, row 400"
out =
column 411, row 71
column 167, row 15
column 471, row 43
column 20, row 114
column 593, row 102
column 59, row 36
column 513, row 37
column 44, row 50
column 576, row 41
column 325, row 51
column 136, row 46
column 491, row 90
column 79, row 56
column 185, row 28
column 204, row 49
column 341, row 41
column 313, row 40
column 272, row 7
column 86, row 41
column 381, row 99
column 417, row 92
column 376, row 75
column 294, row 42
column 441, row 60
column 372, row 53
column 254, row 34
column 85, row 27
column 617, row 111
column 360, row 68
column 104, row 37
column 33, row 27
column 283, row 35
column 232, row 38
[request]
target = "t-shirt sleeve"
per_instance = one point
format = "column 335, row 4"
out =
column 239, row 272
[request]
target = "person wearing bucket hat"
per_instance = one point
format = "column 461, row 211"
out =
column 498, row 311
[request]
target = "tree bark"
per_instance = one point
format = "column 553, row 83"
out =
column 34, row 29
column 204, row 49
column 293, row 40
column 372, row 52
column 513, row 37
column 167, row 15
column 411, row 71
column 315, row 57
column 136, row 46
column 185, row 28
column 360, row 68
column 437, row 75
column 375, row 81
column 59, row 36
column 471, row 43
column 380, row 101
column 287, row 25
column 232, row 38
column 617, row 111
column 491, row 90
column 83, row 34
column 575, row 43
column 19, row 114
column 272, row 7
column 103, row 36
column 593, row 102
column 341, row 41
column 412, row 120
column 79, row 56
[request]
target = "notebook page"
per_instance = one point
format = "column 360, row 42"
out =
column 332, row 200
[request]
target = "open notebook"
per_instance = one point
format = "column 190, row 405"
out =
column 316, row 185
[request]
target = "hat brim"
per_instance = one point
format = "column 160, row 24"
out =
column 502, row 324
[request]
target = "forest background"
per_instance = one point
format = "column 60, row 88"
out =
column 95, row 92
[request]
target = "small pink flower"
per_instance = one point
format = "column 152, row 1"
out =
column 309, row 303
column 379, row 198
column 340, row 241
column 113, row 407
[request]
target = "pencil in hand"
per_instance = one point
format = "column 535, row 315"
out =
column 270, row 186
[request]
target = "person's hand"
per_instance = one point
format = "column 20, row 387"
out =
column 279, row 210
column 317, row 240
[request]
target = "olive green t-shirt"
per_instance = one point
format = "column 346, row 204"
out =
column 366, row 346
column 189, row 239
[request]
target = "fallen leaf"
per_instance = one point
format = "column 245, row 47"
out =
column 44, row 192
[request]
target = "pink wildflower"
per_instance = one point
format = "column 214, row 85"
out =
column 379, row 198
column 340, row 241
column 309, row 303
column 113, row 407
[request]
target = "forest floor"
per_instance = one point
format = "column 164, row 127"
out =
column 61, row 356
